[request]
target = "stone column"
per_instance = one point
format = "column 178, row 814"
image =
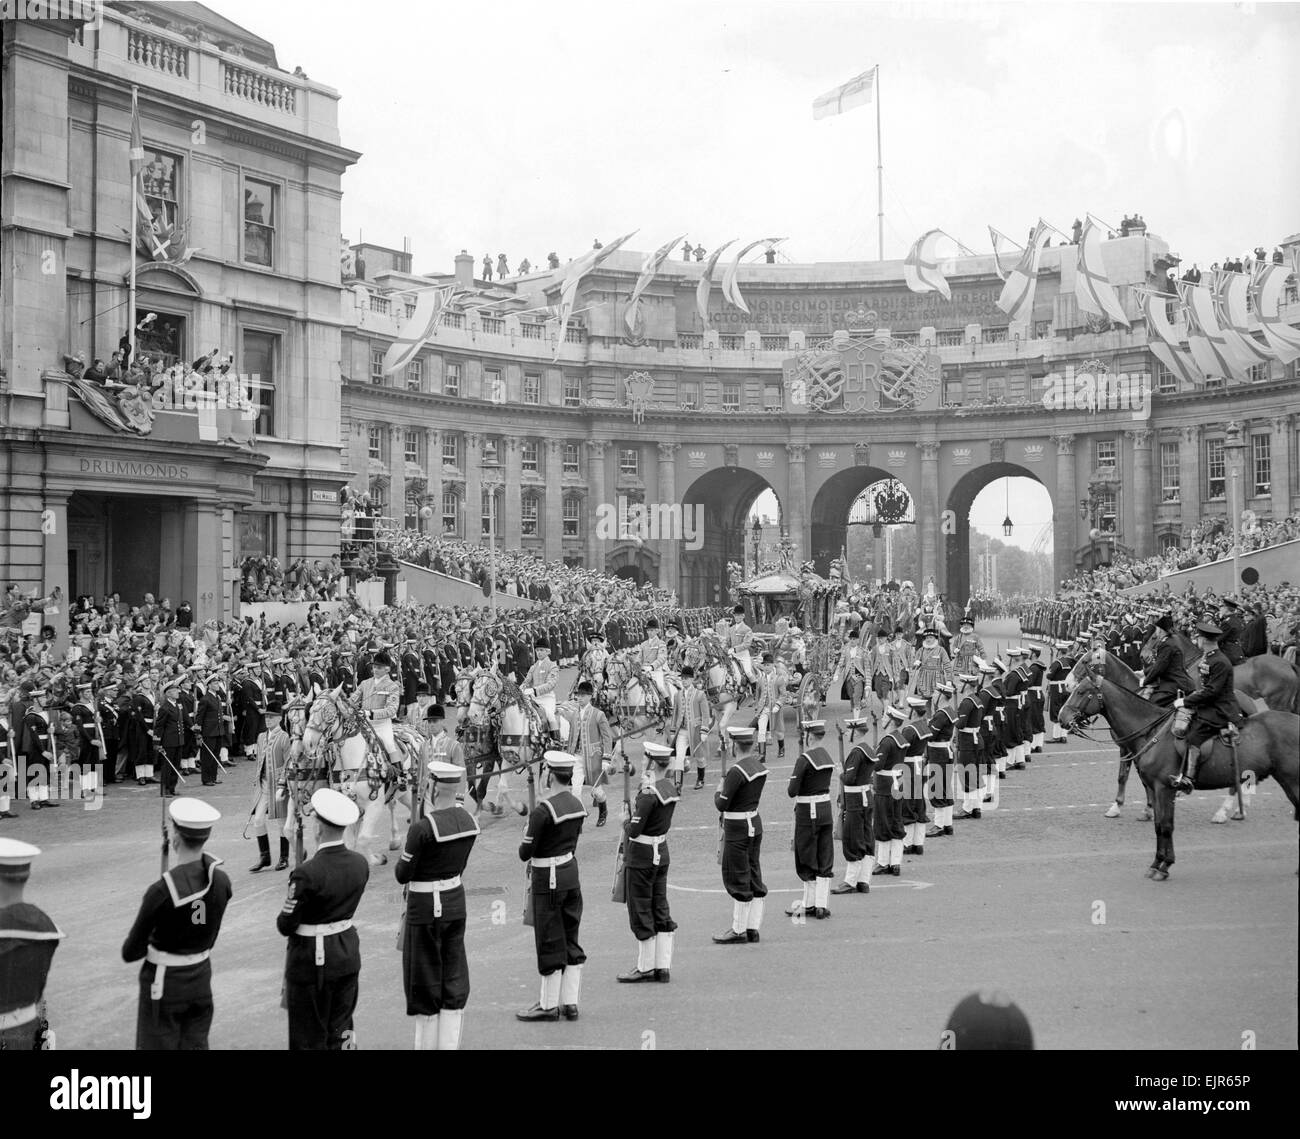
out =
column 595, row 496
column 1143, row 496
column 1282, row 460
column 54, row 529
column 553, row 509
column 433, row 478
column 1189, row 477
column 473, row 512
column 1064, row 509
column 396, row 476
column 203, row 580
column 670, row 548
column 927, row 518
column 510, row 521
column 796, row 504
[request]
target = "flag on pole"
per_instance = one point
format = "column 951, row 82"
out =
column 1267, row 288
column 706, row 282
column 146, row 223
column 649, row 267
column 857, row 92
column 1229, row 293
column 569, row 285
column 730, row 287
column 420, row 328
column 1166, row 345
column 921, row 266
column 1205, row 338
column 1017, row 299
column 1092, row 288
column 998, row 237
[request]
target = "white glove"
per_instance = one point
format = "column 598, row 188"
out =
column 225, row 755
column 1178, row 703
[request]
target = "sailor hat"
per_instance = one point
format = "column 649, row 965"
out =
column 1063, row 645
column 857, row 721
column 658, row 752
column 16, row 854
column 740, row 732
column 1015, row 652
column 946, row 689
column 967, row 678
column 560, row 760
column 193, row 817
column 335, row 807
column 445, row 772
column 892, row 713
column 814, row 725
column 917, row 702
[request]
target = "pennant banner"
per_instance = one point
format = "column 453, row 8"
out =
column 1092, row 288
column 1179, row 361
column 1017, row 299
column 419, row 329
column 649, row 267
column 569, row 287
column 706, row 283
column 730, row 287
column 921, row 266
column 997, row 236
column 857, row 92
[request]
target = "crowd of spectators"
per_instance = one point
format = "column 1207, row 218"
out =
column 264, row 579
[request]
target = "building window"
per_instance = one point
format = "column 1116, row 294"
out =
column 1168, row 542
column 570, row 459
column 415, row 376
column 493, row 388
column 773, row 399
column 378, row 497
column 690, row 395
column 1170, row 477
column 259, row 367
column 532, row 388
column 1165, row 380
column 162, row 339
column 451, row 385
column 450, row 512
column 411, row 446
column 1106, row 510
column 376, row 365
column 451, row 450
column 528, row 516
column 572, row 391
column 259, row 222
column 161, row 178
column 1258, row 373
column 730, row 397
column 996, row 387
column 490, row 450
column 375, row 442
column 629, row 461
column 1261, row 464
column 1104, row 454
column 528, row 456
column 255, row 532
column 572, row 516
column 952, row 387
column 1215, row 475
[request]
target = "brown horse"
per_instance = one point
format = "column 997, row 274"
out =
column 1269, row 744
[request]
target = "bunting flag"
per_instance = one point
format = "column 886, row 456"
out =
column 1017, row 299
column 730, row 286
column 649, row 267
column 574, row 273
column 1204, row 337
column 1178, row 360
column 1155, row 309
column 146, row 224
column 706, row 282
column 1229, row 291
column 1269, row 282
column 1092, row 288
column 998, row 236
column 921, row 266
column 857, row 92
column 419, row 329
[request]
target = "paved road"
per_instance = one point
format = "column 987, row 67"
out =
column 1044, row 898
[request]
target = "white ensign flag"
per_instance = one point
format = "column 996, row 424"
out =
column 857, row 92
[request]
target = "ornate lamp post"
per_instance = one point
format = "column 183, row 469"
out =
column 1234, row 447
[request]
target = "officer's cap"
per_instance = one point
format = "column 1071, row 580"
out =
column 1207, row 629
column 334, row 807
column 445, row 772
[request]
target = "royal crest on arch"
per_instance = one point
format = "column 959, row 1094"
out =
column 865, row 370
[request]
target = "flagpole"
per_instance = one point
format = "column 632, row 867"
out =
column 135, row 223
column 880, row 174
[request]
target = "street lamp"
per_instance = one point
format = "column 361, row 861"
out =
column 757, row 531
column 1007, row 525
column 1234, row 447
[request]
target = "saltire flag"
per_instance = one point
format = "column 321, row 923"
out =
column 995, row 236
column 730, row 287
column 921, row 266
column 1017, row 299
column 569, row 284
column 1092, row 288
column 706, row 282
column 1208, row 344
column 136, row 155
column 1229, row 291
column 857, row 92
column 420, row 329
column 649, row 267
column 1269, row 282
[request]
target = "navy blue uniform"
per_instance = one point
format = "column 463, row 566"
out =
column 647, row 860
column 552, row 837
column 809, row 786
column 28, row 939
column 742, row 828
column 855, row 787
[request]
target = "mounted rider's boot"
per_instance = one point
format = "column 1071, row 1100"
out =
column 1184, row 783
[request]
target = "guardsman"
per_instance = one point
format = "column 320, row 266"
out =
column 1214, row 704
column 248, row 706
column 916, row 732
column 589, row 738
column 966, row 647
column 1130, row 641
column 887, row 826
column 938, row 772
column 646, row 832
column 689, row 722
column 967, row 720
column 541, row 680
column 855, row 816
column 933, row 667
column 740, row 637
column 737, row 800
column 322, row 963
column 555, row 892
column 174, row 931
column 28, row 939
column 435, row 969
column 42, row 752
column 814, row 843
column 1058, row 673
column 88, row 757
column 270, row 804
column 652, row 654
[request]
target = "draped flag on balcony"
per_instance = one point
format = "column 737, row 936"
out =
column 1230, row 311
column 420, row 328
column 999, row 238
column 921, row 266
column 1155, row 307
column 1166, row 345
column 706, row 282
column 1092, row 288
column 1017, row 299
column 1204, row 337
column 573, row 273
column 649, row 267
column 730, row 286
column 857, row 92
column 145, row 224
column 1267, row 288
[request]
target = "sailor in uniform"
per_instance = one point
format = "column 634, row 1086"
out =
column 323, row 958
column 541, row 680
column 177, row 926
column 646, row 832
column 435, row 969
column 737, row 800
column 1058, row 673
column 966, row 730
column 814, row 844
column 89, row 756
column 916, row 733
column 28, row 939
column 548, row 846
column 938, row 771
column 886, row 796
column 855, row 817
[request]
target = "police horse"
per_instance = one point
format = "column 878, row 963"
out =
column 1268, row 745
column 501, row 729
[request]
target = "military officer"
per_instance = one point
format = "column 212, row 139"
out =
column 1214, row 703
column 549, row 845
column 646, row 836
column 88, row 757
column 106, row 707
column 814, row 846
column 855, row 817
column 323, row 958
column 737, row 799
column 169, row 731
column 887, row 826
column 412, row 673
column 174, row 931
column 435, row 969
column 1165, row 678
column 28, row 939
column 210, row 730
column 1233, row 627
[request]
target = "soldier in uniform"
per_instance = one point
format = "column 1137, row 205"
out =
column 28, row 939
column 938, row 772
column 323, row 958
column 933, row 667
column 412, row 670
column 887, row 826
column 589, row 738
column 42, row 752
column 1165, row 679
column 737, row 800
column 1130, row 642
column 966, row 647
column 1058, row 672
column 814, row 845
column 142, row 740
column 855, row 816
column 248, row 705
column 210, row 730
column 435, row 969
column 1233, row 629
column 106, row 708
column 549, row 845
column 174, row 931
column 646, row 839
column 1214, row 703
column 169, row 730
column 916, row 733
column 88, row 756
column 969, row 755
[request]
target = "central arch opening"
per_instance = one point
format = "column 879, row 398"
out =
column 731, row 498
column 881, row 542
column 1001, row 540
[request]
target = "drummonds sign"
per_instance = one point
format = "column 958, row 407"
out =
column 622, row 521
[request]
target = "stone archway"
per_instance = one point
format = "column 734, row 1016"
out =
column 634, row 561
column 831, row 506
column 957, row 585
column 723, row 498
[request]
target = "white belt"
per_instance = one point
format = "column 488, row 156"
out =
column 436, row 888
column 18, row 1016
column 862, row 789
column 552, row 863
column 162, row 959
column 742, row 816
column 973, row 731
column 321, row 932
column 1056, row 683
column 655, row 840
column 812, row 801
